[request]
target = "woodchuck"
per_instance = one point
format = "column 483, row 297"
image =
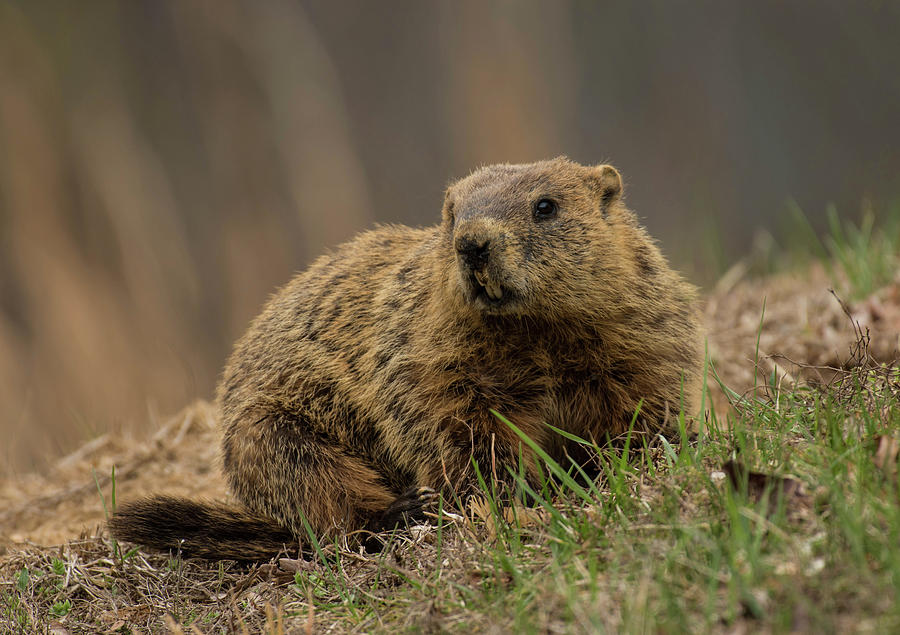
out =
column 367, row 383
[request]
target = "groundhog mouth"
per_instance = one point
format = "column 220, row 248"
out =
column 486, row 292
column 493, row 289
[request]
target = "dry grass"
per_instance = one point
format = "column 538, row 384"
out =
column 106, row 593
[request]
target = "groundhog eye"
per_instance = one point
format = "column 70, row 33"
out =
column 545, row 208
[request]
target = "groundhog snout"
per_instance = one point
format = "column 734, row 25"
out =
column 482, row 255
column 474, row 252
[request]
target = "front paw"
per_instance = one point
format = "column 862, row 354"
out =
column 410, row 506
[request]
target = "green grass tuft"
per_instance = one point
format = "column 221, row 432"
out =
column 860, row 257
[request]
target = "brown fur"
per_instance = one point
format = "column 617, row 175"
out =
column 375, row 370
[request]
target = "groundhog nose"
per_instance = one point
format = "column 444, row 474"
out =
column 474, row 253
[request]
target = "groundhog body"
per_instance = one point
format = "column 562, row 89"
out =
column 371, row 376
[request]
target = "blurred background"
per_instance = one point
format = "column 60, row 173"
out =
column 164, row 166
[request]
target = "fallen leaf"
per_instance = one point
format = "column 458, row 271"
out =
column 293, row 565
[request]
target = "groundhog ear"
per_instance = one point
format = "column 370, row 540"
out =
column 448, row 213
column 607, row 183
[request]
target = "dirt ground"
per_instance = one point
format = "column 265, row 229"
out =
column 803, row 323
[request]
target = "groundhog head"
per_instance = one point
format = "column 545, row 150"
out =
column 532, row 239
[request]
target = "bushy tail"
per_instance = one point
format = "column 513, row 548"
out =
column 200, row 529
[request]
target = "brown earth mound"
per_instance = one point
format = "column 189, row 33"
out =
column 806, row 328
column 47, row 509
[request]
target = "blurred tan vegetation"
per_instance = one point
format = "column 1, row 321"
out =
column 165, row 165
